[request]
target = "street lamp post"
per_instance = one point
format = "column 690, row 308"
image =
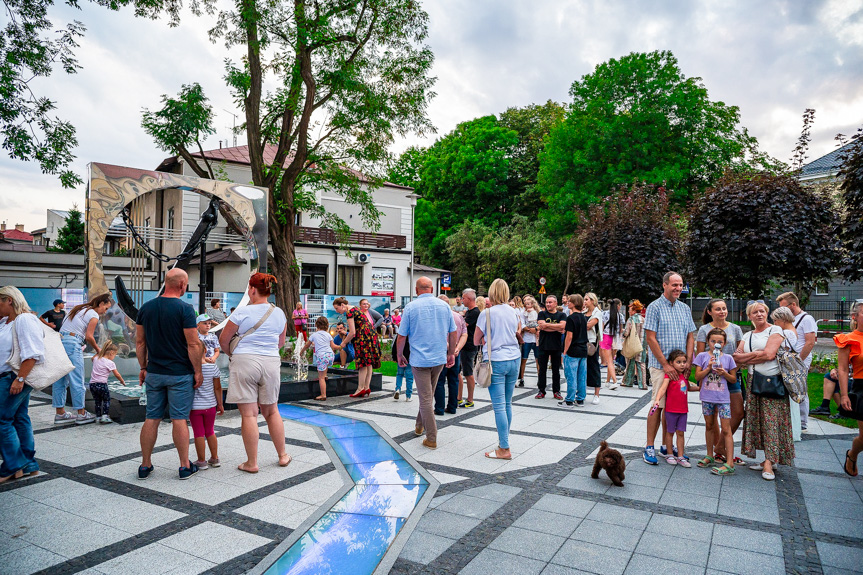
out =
column 413, row 197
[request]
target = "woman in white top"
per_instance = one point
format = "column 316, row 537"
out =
column 504, row 337
column 17, row 445
column 528, row 335
column 594, row 331
column 255, row 373
column 784, row 318
column 767, row 425
column 77, row 329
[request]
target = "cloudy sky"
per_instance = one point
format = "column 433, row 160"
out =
column 771, row 58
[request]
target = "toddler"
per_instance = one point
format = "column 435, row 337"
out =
column 405, row 373
column 324, row 353
column 676, row 408
column 103, row 365
column 208, row 398
column 714, row 371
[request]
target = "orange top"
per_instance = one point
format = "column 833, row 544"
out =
column 853, row 341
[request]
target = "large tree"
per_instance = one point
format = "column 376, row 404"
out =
column 751, row 229
column 626, row 243
column 347, row 76
column 851, row 194
column 639, row 118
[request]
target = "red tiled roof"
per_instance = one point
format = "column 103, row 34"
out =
column 240, row 155
column 14, row 234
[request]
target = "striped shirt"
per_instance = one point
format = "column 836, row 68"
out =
column 672, row 322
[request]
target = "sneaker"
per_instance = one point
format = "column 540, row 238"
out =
column 671, row 460
column 803, row 428
column 614, row 385
column 450, row 411
column 566, row 404
column 520, row 383
column 579, row 403
column 407, row 398
column 467, row 404
column 64, row 419
column 461, row 402
column 105, row 419
column 201, row 465
column 820, row 410
column 595, row 400
column 558, row 396
column 834, row 416
column 187, row 472
column 214, row 462
column 539, row 395
column 683, row 462
column 144, row 472
column 649, row 456
column 438, row 411
column 664, row 452
column 85, row 418
column 396, row 396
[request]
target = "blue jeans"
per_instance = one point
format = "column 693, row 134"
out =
column 448, row 378
column 74, row 380
column 575, row 369
column 502, row 386
column 408, row 374
column 17, row 446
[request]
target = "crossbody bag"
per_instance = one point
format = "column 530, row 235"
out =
column 769, row 386
column 237, row 338
column 482, row 370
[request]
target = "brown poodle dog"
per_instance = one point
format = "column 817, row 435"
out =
column 612, row 461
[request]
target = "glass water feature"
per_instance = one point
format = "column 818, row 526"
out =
column 300, row 359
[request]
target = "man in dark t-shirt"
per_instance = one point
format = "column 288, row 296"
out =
column 467, row 355
column 170, row 355
column 550, row 323
column 54, row 317
column 575, row 354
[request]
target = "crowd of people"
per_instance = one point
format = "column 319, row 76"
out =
column 442, row 352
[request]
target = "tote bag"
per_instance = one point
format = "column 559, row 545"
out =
column 55, row 363
column 632, row 346
column 482, row 370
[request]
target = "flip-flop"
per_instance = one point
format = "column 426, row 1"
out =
column 285, row 464
column 241, row 468
column 853, row 464
column 320, row 398
column 494, row 455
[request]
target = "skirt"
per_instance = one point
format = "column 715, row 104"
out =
column 767, row 427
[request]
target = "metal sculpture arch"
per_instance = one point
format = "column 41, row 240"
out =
column 113, row 188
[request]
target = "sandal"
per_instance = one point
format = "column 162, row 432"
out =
column 853, row 464
column 494, row 455
column 721, row 458
column 723, row 469
column 321, row 398
column 287, row 463
column 241, row 468
column 707, row 461
column 738, row 461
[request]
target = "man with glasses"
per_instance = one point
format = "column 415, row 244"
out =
column 668, row 326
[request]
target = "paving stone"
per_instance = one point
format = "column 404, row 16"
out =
column 425, row 547
column 553, row 569
column 645, row 565
column 741, row 562
column 833, row 507
column 494, row 491
column 440, row 499
column 29, row 559
column 533, row 544
column 155, row 558
column 849, row 559
column 446, row 524
column 564, row 505
column 632, row 518
column 214, row 542
column 607, row 534
column 678, row 546
column 491, row 562
column 592, row 558
column 547, row 522
column 671, row 525
column 469, row 506
column 637, row 493
column 583, row 484
column 689, row 501
column 748, row 540
column 530, row 478
column 836, row 525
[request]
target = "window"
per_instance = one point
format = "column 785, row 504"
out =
column 298, row 219
column 821, row 288
column 313, row 279
column 170, row 218
column 350, row 280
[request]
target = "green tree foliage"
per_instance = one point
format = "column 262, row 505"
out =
column 638, row 118
column 751, row 229
column 328, row 84
column 70, row 238
column 407, row 169
column 626, row 243
column 182, row 123
column 851, row 193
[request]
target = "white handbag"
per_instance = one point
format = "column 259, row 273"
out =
column 482, row 370
column 55, row 363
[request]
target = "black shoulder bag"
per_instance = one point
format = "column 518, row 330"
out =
column 769, row 386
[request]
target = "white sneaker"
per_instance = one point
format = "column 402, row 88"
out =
column 85, row 418
column 614, row 385
column 595, row 400
column 407, row 398
column 105, row 419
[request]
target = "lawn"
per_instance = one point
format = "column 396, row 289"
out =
column 816, row 394
column 387, row 368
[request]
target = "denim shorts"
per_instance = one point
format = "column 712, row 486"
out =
column 174, row 392
column 736, row 386
column 526, row 348
column 722, row 409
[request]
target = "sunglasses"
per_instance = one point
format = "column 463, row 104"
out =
column 752, row 301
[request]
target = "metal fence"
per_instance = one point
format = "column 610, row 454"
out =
column 833, row 312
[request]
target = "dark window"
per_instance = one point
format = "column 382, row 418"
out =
column 350, row 280
column 170, row 218
column 313, row 279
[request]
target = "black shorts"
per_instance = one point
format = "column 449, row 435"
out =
column 467, row 358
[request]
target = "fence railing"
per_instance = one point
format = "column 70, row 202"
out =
column 328, row 237
column 826, row 312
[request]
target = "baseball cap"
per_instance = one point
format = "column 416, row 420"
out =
column 203, row 317
column 58, row 301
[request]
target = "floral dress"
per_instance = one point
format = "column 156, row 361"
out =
column 636, row 368
column 367, row 350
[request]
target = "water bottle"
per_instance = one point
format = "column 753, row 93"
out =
column 717, row 350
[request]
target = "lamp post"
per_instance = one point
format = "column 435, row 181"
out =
column 413, row 197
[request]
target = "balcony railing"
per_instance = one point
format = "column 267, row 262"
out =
column 328, row 237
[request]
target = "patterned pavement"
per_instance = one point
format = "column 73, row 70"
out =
column 539, row 513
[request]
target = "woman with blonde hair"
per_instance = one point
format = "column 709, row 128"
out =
column 17, row 445
column 504, row 339
column 594, row 336
column 480, row 303
column 636, row 367
column 528, row 335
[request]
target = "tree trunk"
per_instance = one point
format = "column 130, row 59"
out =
column 284, row 267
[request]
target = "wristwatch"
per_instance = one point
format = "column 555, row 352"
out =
column 21, row 379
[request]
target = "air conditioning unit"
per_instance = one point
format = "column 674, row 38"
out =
column 363, row 258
